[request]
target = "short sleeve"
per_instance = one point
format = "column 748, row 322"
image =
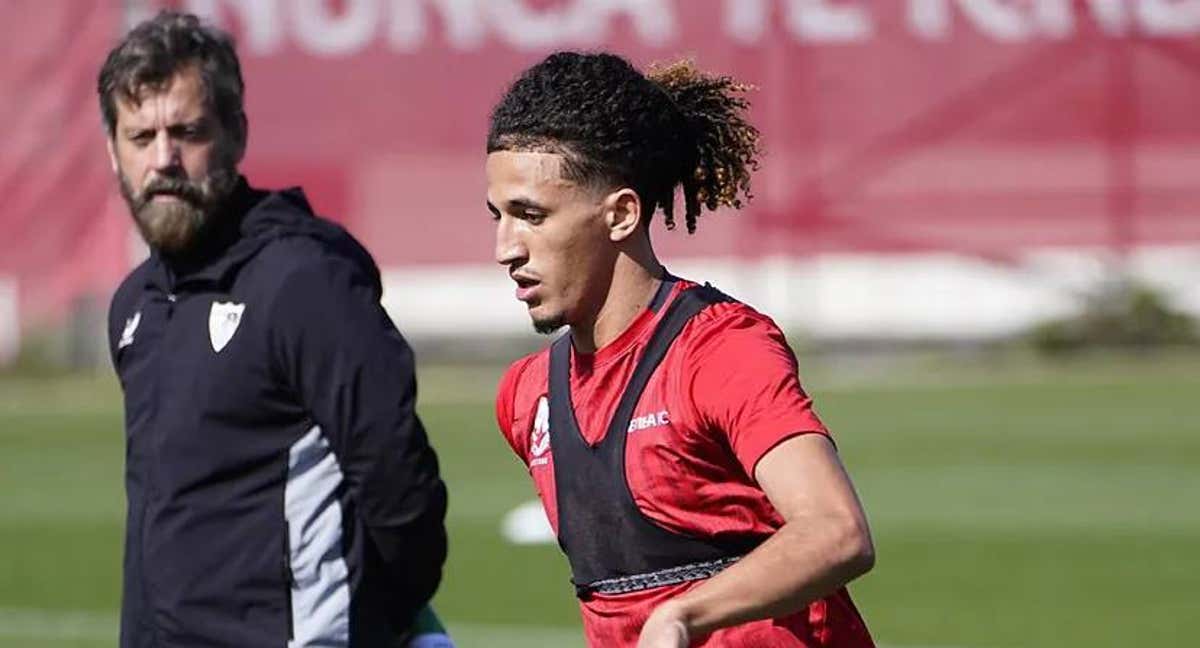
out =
column 506, row 396
column 744, row 383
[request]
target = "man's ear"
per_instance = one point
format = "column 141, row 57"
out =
column 240, row 138
column 622, row 213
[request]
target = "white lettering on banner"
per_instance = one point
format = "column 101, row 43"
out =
column 465, row 25
column 746, row 20
column 323, row 31
column 1169, row 17
column 821, row 21
column 653, row 20
column 261, row 20
column 1012, row 21
column 335, row 30
column 525, row 28
column 815, row 21
column 583, row 23
column 1058, row 19
column 1110, row 14
column 1055, row 18
column 1001, row 20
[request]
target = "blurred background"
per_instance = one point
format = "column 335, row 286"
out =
column 977, row 220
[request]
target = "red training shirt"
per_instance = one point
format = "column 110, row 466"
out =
column 726, row 393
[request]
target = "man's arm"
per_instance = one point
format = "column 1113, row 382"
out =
column 824, row 544
column 506, row 394
column 354, row 373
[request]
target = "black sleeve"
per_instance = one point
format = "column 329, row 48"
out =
column 355, row 375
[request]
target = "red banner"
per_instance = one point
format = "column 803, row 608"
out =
column 984, row 127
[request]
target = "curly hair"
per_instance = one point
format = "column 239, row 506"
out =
column 616, row 126
column 156, row 49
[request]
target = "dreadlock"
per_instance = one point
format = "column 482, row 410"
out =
column 615, row 126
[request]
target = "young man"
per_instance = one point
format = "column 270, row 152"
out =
column 697, row 496
column 281, row 489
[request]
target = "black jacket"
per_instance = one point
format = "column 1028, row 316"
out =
column 279, row 483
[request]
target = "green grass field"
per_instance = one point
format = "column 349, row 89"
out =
column 1013, row 504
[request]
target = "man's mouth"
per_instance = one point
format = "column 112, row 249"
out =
column 526, row 288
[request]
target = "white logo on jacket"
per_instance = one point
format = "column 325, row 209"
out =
column 539, row 438
column 131, row 325
column 223, row 321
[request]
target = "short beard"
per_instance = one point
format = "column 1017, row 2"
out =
column 548, row 326
column 174, row 228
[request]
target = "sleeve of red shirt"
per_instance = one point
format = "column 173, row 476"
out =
column 744, row 383
column 506, row 394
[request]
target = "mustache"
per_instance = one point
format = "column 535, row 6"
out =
column 188, row 191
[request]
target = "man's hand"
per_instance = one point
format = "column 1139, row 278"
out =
column 665, row 629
